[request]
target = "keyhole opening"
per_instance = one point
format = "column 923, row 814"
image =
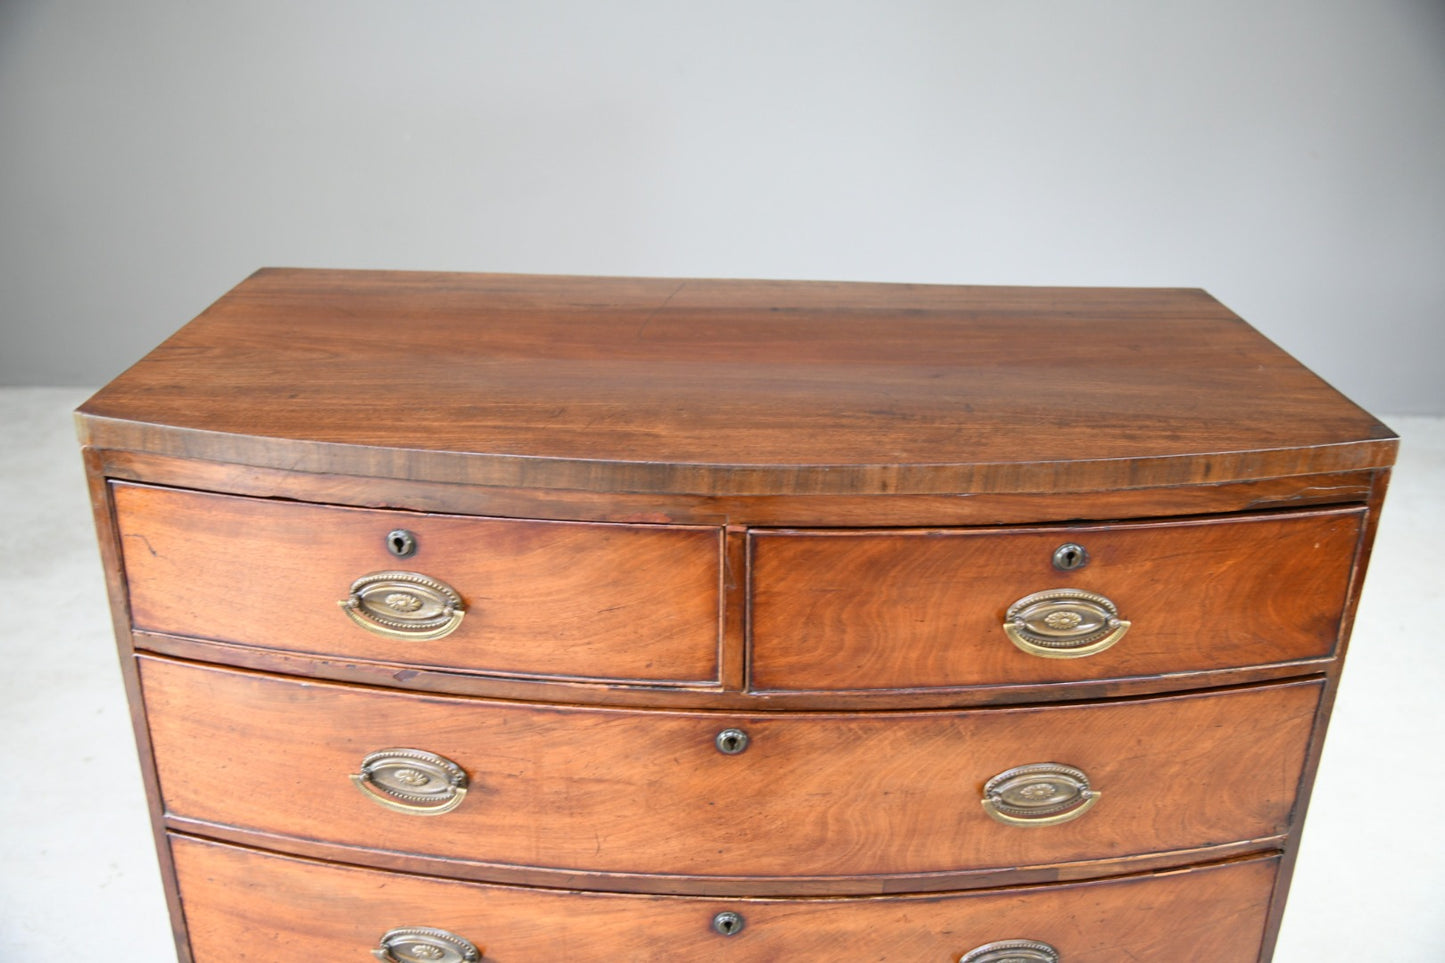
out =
column 728, row 923
column 1069, row 557
column 730, row 742
column 401, row 543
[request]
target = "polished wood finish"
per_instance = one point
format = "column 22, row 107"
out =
column 543, row 598
column 714, row 886
column 1332, row 685
column 877, row 610
column 103, row 515
column 248, row 906
column 964, row 508
column 734, row 697
column 647, row 794
column 671, row 507
column 731, row 387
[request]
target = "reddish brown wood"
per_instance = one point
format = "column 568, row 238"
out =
column 735, row 610
column 755, row 510
column 543, row 598
column 647, row 793
column 421, row 679
column 1327, row 699
column 715, row 886
column 879, row 610
column 247, row 906
column 731, row 387
column 108, row 539
column 723, row 503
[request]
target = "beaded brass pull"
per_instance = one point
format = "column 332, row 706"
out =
column 412, row 781
column 1063, row 624
column 424, row 944
column 1041, row 794
column 404, row 605
column 1012, row 951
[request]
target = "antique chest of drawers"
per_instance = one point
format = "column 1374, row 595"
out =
column 485, row 617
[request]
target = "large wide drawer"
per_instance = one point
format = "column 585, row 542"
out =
column 843, row 609
column 858, row 799
column 611, row 602
column 244, row 905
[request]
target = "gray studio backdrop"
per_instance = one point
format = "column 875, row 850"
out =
column 1288, row 156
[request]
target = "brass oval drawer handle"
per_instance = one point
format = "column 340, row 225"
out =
column 1012, row 951
column 412, row 781
column 1040, row 794
column 404, row 605
column 1063, row 623
column 425, row 944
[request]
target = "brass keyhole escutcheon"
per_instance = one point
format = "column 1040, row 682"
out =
column 728, row 923
column 730, row 742
column 1070, row 557
column 401, row 543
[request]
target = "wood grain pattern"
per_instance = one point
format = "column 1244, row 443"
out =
column 1327, row 698
column 108, row 541
column 811, row 886
column 878, row 610
column 674, row 506
column 851, row 510
column 730, row 387
column 646, row 793
column 246, row 906
column 577, row 600
column 420, row 679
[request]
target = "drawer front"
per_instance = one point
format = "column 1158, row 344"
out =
column 243, row 905
column 643, row 793
column 551, row 599
column 895, row 610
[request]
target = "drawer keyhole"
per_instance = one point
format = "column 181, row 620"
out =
column 1069, row 556
column 728, row 923
column 401, row 543
column 730, row 742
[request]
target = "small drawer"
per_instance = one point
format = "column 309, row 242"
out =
column 600, row 601
column 243, row 905
column 761, row 800
column 873, row 610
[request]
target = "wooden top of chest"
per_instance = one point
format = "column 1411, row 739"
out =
column 731, row 387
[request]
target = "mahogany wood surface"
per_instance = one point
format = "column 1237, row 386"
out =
column 646, row 793
column 1327, row 699
column 676, row 506
column 243, row 905
column 722, row 886
column 542, row 597
column 730, row 387
column 108, row 541
column 860, row 610
column 421, row 679
column 871, row 511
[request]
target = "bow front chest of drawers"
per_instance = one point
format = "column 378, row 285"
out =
column 509, row 619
